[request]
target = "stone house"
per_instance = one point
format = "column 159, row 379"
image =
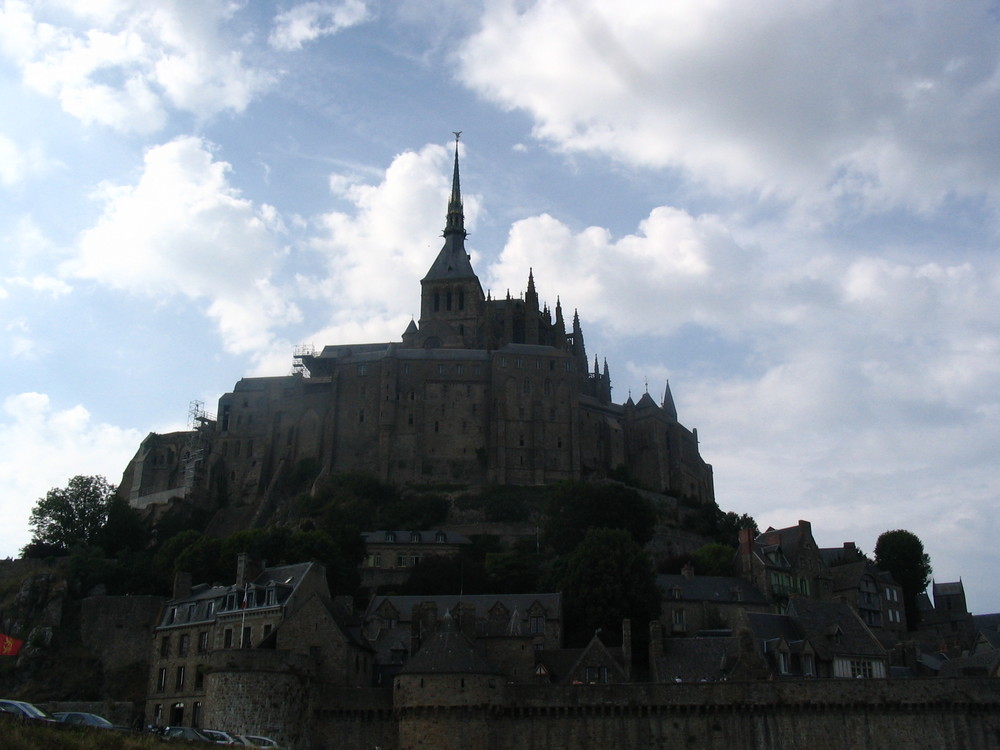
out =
column 391, row 554
column 946, row 623
column 817, row 639
column 204, row 619
column 871, row 592
column 782, row 563
column 693, row 603
column 507, row 630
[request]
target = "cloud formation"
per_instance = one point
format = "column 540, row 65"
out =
column 43, row 446
column 823, row 104
column 310, row 21
column 182, row 229
column 124, row 63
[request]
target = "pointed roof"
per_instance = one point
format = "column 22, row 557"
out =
column 448, row 651
column 668, row 402
column 453, row 262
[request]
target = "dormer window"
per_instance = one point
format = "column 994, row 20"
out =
column 390, row 536
column 415, row 537
column 440, row 537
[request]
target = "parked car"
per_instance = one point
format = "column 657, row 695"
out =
column 83, row 718
column 260, row 742
column 25, row 710
column 221, row 738
column 185, row 733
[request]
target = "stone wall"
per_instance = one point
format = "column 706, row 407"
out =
column 917, row 714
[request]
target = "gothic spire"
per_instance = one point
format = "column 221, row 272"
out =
column 668, row 403
column 455, row 220
column 453, row 262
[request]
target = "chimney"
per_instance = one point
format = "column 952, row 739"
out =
column 182, row 584
column 655, row 647
column 247, row 568
column 627, row 647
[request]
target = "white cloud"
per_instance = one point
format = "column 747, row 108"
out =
column 310, row 21
column 183, row 229
column 42, row 446
column 375, row 253
column 17, row 163
column 123, row 64
column 821, row 103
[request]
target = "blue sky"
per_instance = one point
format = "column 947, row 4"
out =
column 787, row 209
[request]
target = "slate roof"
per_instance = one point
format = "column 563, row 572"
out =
column 481, row 602
column 834, row 629
column 710, row 589
column 979, row 665
column 403, row 536
column 698, row 659
column 448, row 651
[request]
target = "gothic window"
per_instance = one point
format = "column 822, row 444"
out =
column 437, row 301
column 461, row 300
column 447, row 300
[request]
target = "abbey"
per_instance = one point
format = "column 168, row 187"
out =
column 479, row 390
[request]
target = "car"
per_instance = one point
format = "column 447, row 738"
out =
column 25, row 710
column 221, row 738
column 83, row 718
column 260, row 742
column 185, row 733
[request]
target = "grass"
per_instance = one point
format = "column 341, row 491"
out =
column 17, row 734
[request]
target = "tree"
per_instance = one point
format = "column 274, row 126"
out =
column 902, row 554
column 606, row 579
column 576, row 507
column 71, row 515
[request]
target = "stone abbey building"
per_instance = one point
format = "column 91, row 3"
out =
column 479, row 390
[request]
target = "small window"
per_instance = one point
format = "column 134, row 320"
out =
column 415, row 536
column 390, row 536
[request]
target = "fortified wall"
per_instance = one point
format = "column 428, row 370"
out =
column 448, row 712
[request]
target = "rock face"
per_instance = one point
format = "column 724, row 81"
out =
column 479, row 390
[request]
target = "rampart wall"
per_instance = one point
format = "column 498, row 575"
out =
column 816, row 714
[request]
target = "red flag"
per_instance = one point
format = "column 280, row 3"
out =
column 9, row 646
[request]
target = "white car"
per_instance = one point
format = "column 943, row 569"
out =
column 261, row 742
column 221, row 738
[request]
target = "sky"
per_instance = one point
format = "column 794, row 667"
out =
column 788, row 209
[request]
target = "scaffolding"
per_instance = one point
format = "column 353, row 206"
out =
column 198, row 421
column 298, row 366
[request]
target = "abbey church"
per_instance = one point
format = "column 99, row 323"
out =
column 479, row 390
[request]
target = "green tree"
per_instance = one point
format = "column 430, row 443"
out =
column 71, row 515
column 902, row 554
column 713, row 560
column 576, row 507
column 606, row 579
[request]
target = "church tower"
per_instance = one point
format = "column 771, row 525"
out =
column 451, row 296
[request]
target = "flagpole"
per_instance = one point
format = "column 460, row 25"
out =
column 243, row 621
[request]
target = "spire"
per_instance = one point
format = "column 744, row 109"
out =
column 453, row 262
column 668, row 403
column 531, row 282
column 455, row 220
